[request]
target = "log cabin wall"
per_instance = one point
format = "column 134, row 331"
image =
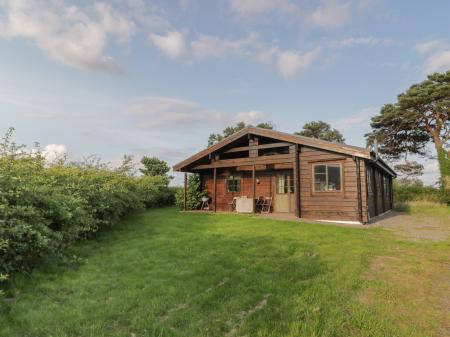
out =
column 341, row 205
column 379, row 191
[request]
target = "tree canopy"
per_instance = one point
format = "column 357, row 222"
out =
column 153, row 166
column 229, row 130
column 321, row 130
column 419, row 117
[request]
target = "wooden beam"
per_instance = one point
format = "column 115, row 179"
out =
column 215, row 189
column 275, row 159
column 358, row 182
column 298, row 212
column 254, row 188
column 259, row 147
column 185, row 193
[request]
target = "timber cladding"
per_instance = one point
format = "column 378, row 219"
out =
column 310, row 178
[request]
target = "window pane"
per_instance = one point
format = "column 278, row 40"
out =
column 334, row 178
column 320, row 182
column 280, row 184
column 320, row 169
column 233, row 183
column 291, row 184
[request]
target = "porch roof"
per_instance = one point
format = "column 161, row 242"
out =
column 289, row 138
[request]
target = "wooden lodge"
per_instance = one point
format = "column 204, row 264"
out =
column 310, row 178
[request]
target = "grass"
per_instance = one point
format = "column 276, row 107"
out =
column 164, row 273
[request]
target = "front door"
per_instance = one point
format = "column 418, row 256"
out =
column 284, row 191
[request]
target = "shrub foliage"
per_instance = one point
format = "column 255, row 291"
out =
column 43, row 209
column 414, row 190
column 194, row 193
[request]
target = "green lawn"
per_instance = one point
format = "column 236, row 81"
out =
column 165, row 273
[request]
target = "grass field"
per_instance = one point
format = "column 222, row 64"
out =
column 164, row 273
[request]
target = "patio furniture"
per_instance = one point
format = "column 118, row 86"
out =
column 232, row 204
column 259, row 203
column 244, row 205
column 267, row 205
column 205, row 204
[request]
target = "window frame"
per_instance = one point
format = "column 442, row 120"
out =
column 235, row 178
column 288, row 183
column 326, row 164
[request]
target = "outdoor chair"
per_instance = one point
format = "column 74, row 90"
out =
column 267, row 205
column 259, row 204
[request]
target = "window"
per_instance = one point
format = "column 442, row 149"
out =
column 327, row 178
column 285, row 183
column 233, row 183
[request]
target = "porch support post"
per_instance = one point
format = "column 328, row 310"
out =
column 185, row 192
column 298, row 209
column 215, row 189
column 358, row 184
column 391, row 189
column 254, row 187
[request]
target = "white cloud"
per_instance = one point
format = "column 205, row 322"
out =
column 437, row 62
column 369, row 41
column 331, row 13
column 148, row 15
column 172, row 43
column 291, row 63
column 66, row 33
column 54, row 152
column 249, row 117
column 207, row 46
column 168, row 114
column 246, row 8
column 426, row 47
column 158, row 113
column 361, row 118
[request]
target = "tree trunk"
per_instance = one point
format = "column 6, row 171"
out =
column 444, row 165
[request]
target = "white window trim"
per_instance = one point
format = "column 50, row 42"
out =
column 326, row 164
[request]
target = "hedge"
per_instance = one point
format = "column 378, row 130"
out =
column 43, row 210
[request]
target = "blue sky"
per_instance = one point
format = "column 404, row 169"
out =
column 157, row 77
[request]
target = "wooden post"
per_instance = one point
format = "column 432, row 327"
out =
column 383, row 193
column 298, row 212
column 254, row 187
column 391, row 187
column 358, row 184
column 215, row 189
column 375, row 190
column 185, row 192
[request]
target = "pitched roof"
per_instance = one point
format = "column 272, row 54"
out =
column 295, row 139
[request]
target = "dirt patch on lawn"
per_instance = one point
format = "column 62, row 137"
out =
column 412, row 289
column 416, row 226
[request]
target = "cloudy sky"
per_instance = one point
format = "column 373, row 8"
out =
column 157, row 77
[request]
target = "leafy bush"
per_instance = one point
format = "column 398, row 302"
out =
column 45, row 209
column 194, row 193
column 406, row 190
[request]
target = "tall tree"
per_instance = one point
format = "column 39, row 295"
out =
column 321, row 130
column 153, row 166
column 229, row 130
column 419, row 117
